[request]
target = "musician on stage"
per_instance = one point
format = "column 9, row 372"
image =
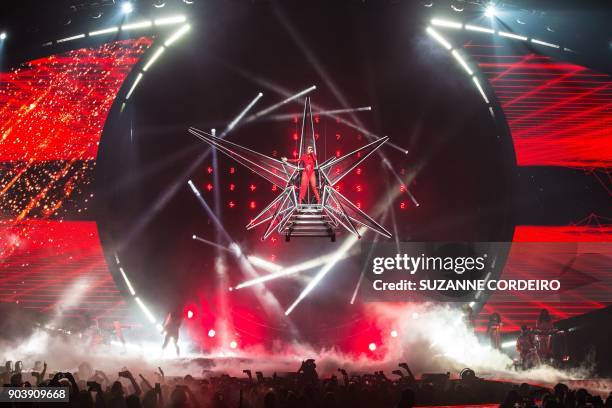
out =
column 309, row 160
column 171, row 325
column 526, row 348
column 544, row 333
column 494, row 330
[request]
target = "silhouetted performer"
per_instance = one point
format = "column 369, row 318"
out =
column 526, row 348
column 309, row 160
column 494, row 330
column 172, row 324
column 545, row 331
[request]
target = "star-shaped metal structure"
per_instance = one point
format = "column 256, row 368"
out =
column 284, row 214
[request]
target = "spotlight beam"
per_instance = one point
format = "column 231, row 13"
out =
column 267, row 299
column 370, row 253
column 211, row 243
column 346, row 246
column 281, row 103
column 286, row 116
column 291, row 270
column 238, row 118
column 209, row 211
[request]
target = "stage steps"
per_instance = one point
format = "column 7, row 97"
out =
column 309, row 220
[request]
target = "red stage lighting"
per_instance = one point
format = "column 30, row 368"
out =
column 252, row 205
column 295, row 136
column 403, row 205
column 232, row 187
column 232, row 170
column 209, row 187
column 189, row 312
column 252, row 187
column 231, row 204
column 209, row 170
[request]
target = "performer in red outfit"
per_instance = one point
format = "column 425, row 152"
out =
column 309, row 160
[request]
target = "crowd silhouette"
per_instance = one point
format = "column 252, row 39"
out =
column 90, row 388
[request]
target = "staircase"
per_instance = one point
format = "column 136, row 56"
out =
column 309, row 220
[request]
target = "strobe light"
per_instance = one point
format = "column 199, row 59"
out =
column 127, row 7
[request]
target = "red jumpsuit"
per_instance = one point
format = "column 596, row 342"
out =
column 308, row 175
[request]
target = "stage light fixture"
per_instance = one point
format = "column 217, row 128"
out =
column 159, row 4
column 445, row 23
column 490, row 11
column 478, row 28
column 190, row 314
column 138, row 78
column 233, row 344
column 372, row 346
column 484, row 96
column 127, row 7
column 393, row 333
column 154, row 58
column 134, row 26
column 170, row 20
column 462, row 62
column 178, row 34
column 512, row 35
column 3, row 35
column 438, row 38
column 104, row 31
column 74, row 37
column 212, row 333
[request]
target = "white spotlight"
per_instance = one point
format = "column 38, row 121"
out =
column 177, row 34
column 508, row 344
column 127, row 7
column 372, row 346
column 490, row 11
column 212, row 333
column 462, row 62
column 445, row 23
column 393, row 333
column 438, row 38
column 3, row 35
column 233, row 344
